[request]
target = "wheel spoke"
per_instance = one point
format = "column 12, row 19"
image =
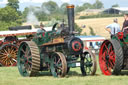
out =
column 60, row 68
column 5, row 51
column 110, row 48
column 11, row 62
column 27, row 50
column 106, row 47
column 111, row 64
column 23, row 51
column 58, row 61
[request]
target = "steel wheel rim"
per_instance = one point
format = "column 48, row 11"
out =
column 88, row 64
column 107, row 58
column 58, row 65
column 8, row 55
column 24, row 60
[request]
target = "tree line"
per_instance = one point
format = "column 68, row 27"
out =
column 12, row 16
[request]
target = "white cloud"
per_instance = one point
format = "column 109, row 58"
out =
column 32, row 1
column 89, row 1
column 65, row 1
column 3, row 1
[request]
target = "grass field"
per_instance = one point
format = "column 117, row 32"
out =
column 11, row 76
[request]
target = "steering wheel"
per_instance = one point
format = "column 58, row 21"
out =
column 54, row 26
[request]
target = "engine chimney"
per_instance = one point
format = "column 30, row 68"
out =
column 70, row 13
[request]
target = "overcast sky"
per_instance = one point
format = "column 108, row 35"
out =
column 107, row 3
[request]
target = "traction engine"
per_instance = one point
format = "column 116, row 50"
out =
column 113, row 55
column 10, row 43
column 56, row 51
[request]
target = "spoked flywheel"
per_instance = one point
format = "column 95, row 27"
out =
column 88, row 63
column 111, row 57
column 28, row 58
column 8, row 55
column 58, row 65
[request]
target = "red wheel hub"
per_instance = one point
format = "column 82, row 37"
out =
column 107, row 58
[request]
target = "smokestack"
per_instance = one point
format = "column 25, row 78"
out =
column 70, row 13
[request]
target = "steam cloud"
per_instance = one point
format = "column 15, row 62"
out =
column 31, row 17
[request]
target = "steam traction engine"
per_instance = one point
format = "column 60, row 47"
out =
column 113, row 55
column 10, row 43
column 57, row 51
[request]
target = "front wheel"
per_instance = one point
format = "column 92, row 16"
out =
column 88, row 63
column 58, row 65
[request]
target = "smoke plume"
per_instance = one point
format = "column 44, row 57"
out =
column 32, row 19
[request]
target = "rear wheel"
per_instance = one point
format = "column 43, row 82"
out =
column 111, row 57
column 88, row 63
column 58, row 65
column 28, row 59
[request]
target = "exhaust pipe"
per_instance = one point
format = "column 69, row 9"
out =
column 70, row 13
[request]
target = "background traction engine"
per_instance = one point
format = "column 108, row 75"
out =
column 113, row 55
column 9, row 45
column 57, row 51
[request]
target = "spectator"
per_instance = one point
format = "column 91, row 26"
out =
column 113, row 28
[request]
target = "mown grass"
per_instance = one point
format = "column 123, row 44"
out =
column 11, row 76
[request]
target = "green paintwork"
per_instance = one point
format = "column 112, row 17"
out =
column 47, row 62
column 71, row 64
column 39, row 39
column 122, row 41
column 22, row 61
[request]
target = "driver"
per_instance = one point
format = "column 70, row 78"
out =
column 41, row 29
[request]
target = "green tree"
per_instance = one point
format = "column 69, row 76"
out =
column 91, row 31
column 9, row 17
column 98, row 4
column 63, row 8
column 79, row 8
column 78, row 29
column 14, row 4
column 8, row 14
column 42, row 16
column 87, row 6
column 50, row 6
column 25, row 12
column 115, row 5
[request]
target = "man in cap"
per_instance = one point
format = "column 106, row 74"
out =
column 113, row 28
column 41, row 29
